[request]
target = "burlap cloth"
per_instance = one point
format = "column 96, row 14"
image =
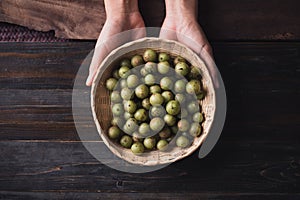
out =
column 15, row 33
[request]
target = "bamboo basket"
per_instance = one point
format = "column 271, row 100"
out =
column 101, row 109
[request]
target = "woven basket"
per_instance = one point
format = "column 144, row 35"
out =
column 101, row 108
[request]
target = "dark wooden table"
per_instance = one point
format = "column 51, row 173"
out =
column 257, row 156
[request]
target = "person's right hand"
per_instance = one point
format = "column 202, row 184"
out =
column 119, row 19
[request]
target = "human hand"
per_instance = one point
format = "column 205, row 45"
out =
column 181, row 24
column 121, row 16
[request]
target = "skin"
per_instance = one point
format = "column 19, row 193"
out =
column 180, row 24
column 181, row 21
column 121, row 15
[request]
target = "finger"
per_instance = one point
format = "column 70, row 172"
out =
column 107, row 41
column 199, row 44
column 100, row 53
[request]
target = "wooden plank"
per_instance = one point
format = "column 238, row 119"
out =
column 254, row 168
column 71, row 19
column 221, row 20
column 250, row 19
column 262, row 82
column 146, row 195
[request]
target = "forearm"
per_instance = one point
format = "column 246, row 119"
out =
column 182, row 8
column 120, row 8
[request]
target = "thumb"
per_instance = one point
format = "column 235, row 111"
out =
column 100, row 53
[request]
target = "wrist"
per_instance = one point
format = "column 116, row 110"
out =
column 120, row 9
column 182, row 9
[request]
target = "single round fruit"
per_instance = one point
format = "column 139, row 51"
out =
column 126, row 141
column 194, row 73
column 137, row 60
column 143, row 71
column 155, row 89
column 193, row 87
column 179, row 86
column 125, row 62
column 114, row 132
column 173, row 107
column 149, row 142
column 165, row 133
column 201, row 95
column 130, row 106
column 141, row 115
column 182, row 68
column 146, row 103
column 182, row 141
column 156, row 99
column 150, row 79
column 132, row 81
column 126, row 93
column 137, row 148
column 183, row 125
column 157, row 111
column 117, row 109
column 166, row 83
column 142, row 91
column 150, row 68
column 115, row 97
column 156, row 124
column 163, row 67
column 111, row 83
column 144, row 129
column 123, row 83
column 163, row 57
column 195, row 129
column 170, row 120
column 193, row 107
column 198, row 117
column 124, row 71
column 168, row 96
column 130, row 126
column 162, row 145
column 179, row 59
column 150, row 56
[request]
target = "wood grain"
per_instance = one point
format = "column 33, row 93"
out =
column 36, row 81
column 257, row 156
column 233, row 168
column 221, row 20
column 78, row 19
column 144, row 195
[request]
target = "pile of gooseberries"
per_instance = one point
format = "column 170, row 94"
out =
column 155, row 101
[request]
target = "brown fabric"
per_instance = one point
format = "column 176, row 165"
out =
column 15, row 33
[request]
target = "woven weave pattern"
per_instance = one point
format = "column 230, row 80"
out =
column 15, row 33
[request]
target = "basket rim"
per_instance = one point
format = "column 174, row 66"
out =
column 102, row 68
